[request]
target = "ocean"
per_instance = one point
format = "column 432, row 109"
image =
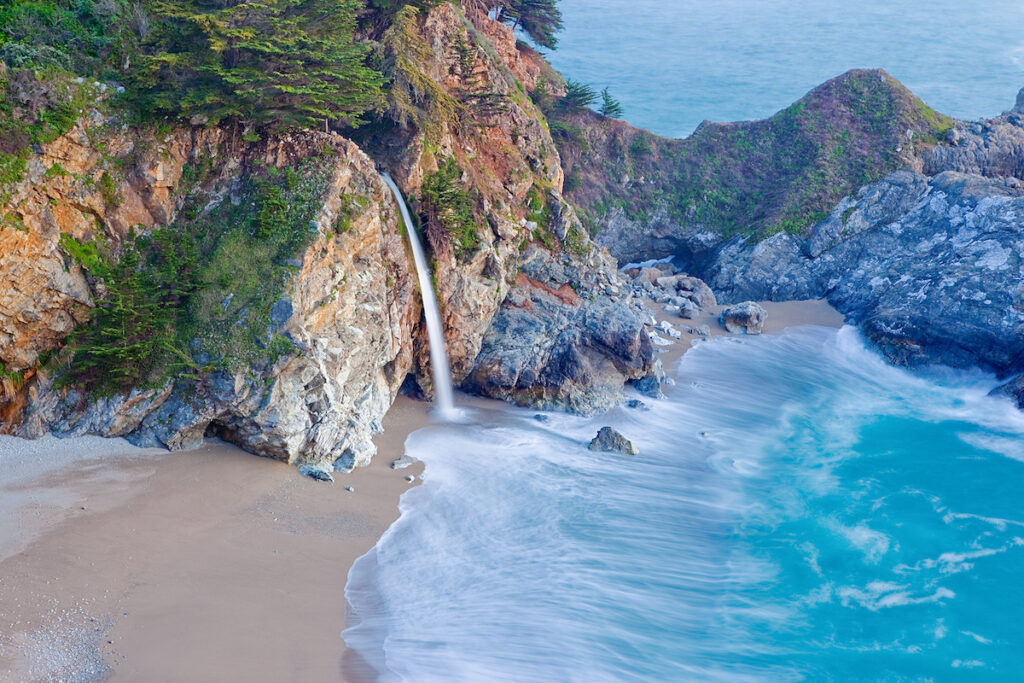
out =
column 675, row 63
column 799, row 510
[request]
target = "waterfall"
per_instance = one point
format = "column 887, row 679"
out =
column 438, row 352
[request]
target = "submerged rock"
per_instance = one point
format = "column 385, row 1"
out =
column 1014, row 390
column 610, row 441
column 746, row 317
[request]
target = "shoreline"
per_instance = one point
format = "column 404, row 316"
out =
column 213, row 564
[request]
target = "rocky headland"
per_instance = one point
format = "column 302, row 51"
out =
column 908, row 222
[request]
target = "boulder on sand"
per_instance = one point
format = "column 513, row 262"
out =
column 746, row 317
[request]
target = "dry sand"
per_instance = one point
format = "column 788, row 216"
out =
column 209, row 565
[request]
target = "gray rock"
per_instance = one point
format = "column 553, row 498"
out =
column 651, row 385
column 636, row 404
column 689, row 311
column 668, row 282
column 610, row 441
column 402, row 463
column 410, row 478
column 648, row 275
column 697, row 291
column 281, row 311
column 1014, row 390
column 561, row 347
column 747, row 317
column 704, row 331
column 316, row 473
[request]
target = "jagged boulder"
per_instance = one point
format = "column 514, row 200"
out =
column 747, row 317
column 609, row 440
column 1014, row 390
column 559, row 342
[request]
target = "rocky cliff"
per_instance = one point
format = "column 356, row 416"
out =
column 174, row 283
column 348, row 304
column 476, row 155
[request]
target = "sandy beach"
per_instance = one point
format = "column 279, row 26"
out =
column 210, row 565
column 781, row 314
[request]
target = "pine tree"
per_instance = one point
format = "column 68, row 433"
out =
column 275, row 63
column 610, row 107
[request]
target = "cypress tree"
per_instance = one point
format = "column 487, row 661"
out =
column 610, row 107
column 274, row 63
column 541, row 19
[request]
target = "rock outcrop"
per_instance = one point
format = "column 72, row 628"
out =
column 350, row 308
column 931, row 268
column 649, row 197
column 560, row 340
column 609, row 440
column 1013, row 390
column 534, row 312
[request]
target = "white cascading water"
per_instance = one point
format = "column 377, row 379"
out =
column 438, row 352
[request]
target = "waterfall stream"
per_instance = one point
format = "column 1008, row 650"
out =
column 438, row 352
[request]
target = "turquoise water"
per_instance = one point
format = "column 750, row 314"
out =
column 799, row 511
column 675, row 63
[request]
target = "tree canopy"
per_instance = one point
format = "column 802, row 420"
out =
column 281, row 63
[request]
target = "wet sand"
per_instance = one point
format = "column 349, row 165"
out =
column 781, row 315
column 211, row 565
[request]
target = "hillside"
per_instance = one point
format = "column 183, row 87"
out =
column 781, row 174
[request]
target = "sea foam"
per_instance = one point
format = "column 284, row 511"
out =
column 800, row 510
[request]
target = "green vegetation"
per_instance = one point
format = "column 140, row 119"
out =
column 610, row 107
column 36, row 107
column 540, row 19
column 197, row 295
column 11, row 381
column 413, row 99
column 578, row 96
column 755, row 178
column 450, row 209
column 274, row 63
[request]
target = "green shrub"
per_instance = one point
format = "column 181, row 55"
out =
column 197, row 296
column 451, row 207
